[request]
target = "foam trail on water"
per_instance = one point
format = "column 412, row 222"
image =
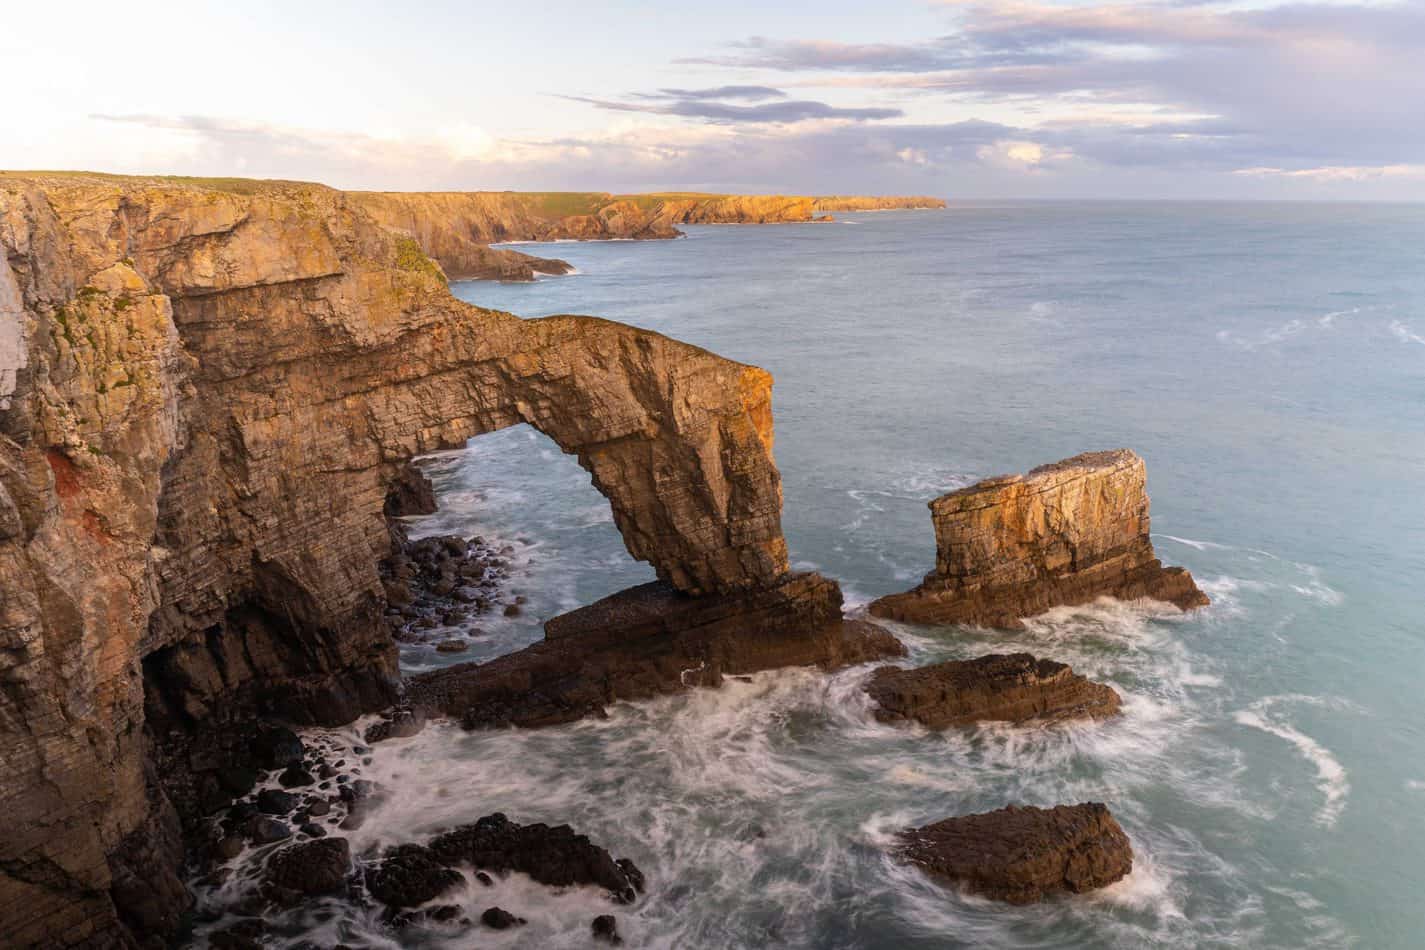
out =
column 1332, row 780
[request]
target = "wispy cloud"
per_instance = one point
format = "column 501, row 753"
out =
column 1327, row 173
column 709, row 108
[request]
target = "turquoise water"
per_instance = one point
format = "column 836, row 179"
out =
column 1268, row 361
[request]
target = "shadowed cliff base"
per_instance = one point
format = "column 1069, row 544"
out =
column 1067, row 533
column 208, row 390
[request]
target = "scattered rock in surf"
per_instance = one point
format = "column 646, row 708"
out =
column 1022, row 854
column 311, row 868
column 605, row 928
column 294, row 776
column 551, row 855
column 399, row 724
column 1006, row 688
column 243, row 935
column 453, row 645
column 409, row 875
column 438, row 582
column 277, row 747
column 497, row 918
column 263, row 830
column 273, row 801
column 512, row 610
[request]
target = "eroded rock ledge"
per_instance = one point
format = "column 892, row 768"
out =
column 208, row 390
column 1014, row 688
column 1014, row 546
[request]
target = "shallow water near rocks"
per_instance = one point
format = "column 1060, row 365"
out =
column 1264, row 360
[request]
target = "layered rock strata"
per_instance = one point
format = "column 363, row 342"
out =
column 652, row 640
column 1013, row 688
column 1014, row 546
column 208, row 390
column 1021, row 854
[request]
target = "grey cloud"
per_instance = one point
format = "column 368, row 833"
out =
column 753, row 93
column 781, row 111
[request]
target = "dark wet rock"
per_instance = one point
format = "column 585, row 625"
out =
column 263, row 830
column 400, row 724
column 512, row 610
column 272, row 801
column 497, row 918
column 409, row 875
column 409, row 493
column 484, row 879
column 1022, row 854
column 605, row 928
column 277, row 747
column 1016, row 545
column 311, row 868
column 551, row 855
column 295, row 777
column 652, row 640
column 452, row 646
column 319, row 808
column 313, row 831
column 243, row 935
column 237, row 780
column 998, row 687
column 228, row 848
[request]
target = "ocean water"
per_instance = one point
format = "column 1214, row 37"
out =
column 1268, row 361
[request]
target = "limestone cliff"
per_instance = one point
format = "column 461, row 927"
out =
column 1067, row 533
column 206, row 389
column 456, row 228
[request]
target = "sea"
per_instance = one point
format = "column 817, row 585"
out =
column 1268, row 363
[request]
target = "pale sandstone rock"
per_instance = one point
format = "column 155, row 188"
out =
column 1067, row 533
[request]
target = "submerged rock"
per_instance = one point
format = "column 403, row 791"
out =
column 497, row 918
column 998, row 687
column 1022, row 854
column 551, row 855
column 1014, row 546
column 605, row 928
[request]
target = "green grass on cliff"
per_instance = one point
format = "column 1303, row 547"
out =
column 410, row 257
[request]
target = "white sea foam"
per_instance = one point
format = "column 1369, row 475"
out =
column 1404, row 333
column 1332, row 780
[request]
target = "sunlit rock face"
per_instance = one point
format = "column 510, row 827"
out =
column 206, row 390
column 1014, row 546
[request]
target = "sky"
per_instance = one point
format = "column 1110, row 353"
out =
column 963, row 99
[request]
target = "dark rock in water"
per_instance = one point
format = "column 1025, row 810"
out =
column 484, row 879
column 605, row 928
column 409, row 493
column 295, row 777
column 319, row 808
column 512, row 610
column 271, row 801
column 499, row 919
column 1009, row 688
column 315, row 867
column 551, row 855
column 228, row 848
column 263, row 830
column 313, row 831
column 401, row 724
column 452, row 646
column 236, row 780
column 652, row 640
column 276, row 747
column 1021, row 854
column 1014, row 546
column 242, row 935
column 409, row 875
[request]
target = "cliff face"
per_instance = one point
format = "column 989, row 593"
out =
column 456, row 228
column 1067, row 533
column 205, row 392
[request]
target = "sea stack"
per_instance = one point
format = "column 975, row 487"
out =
column 1014, row 688
column 1014, row 546
column 1021, row 854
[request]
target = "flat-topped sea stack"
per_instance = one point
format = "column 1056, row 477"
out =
column 1014, row 688
column 1014, row 546
column 1020, row 854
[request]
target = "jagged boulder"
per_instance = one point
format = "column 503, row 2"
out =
column 1022, row 854
column 1008, row 688
column 311, row 868
column 1014, row 546
column 409, row 875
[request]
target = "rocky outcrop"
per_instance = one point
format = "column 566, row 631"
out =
column 1013, row 688
column 652, row 640
column 1067, row 533
column 1021, row 854
column 456, row 228
column 215, row 388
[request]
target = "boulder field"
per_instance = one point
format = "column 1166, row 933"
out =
column 1014, row 546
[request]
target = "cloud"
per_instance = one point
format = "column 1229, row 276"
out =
column 1329, row 173
column 713, row 111
column 717, row 92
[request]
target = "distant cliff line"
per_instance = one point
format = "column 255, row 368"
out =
column 457, row 228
